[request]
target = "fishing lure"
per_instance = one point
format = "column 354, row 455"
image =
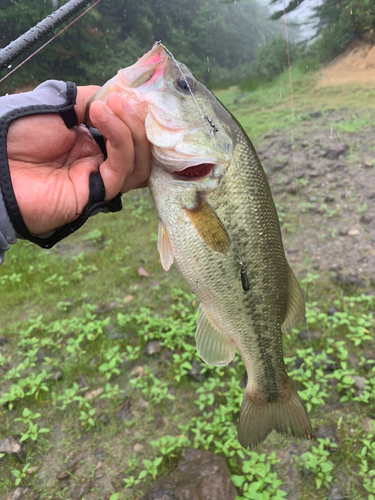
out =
column 244, row 278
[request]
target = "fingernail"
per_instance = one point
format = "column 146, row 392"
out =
column 107, row 109
column 127, row 108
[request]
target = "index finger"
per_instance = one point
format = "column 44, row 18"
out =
column 128, row 150
column 84, row 94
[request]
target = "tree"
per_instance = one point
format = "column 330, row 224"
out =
column 292, row 5
column 272, row 58
column 355, row 17
column 216, row 40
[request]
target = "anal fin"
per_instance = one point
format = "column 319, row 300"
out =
column 296, row 305
column 212, row 346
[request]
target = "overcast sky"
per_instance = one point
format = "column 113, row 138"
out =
column 301, row 15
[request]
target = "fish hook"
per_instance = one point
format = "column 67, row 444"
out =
column 211, row 123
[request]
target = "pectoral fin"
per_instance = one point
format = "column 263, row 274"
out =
column 209, row 226
column 296, row 305
column 164, row 247
column 212, row 346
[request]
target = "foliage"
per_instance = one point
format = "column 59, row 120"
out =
column 258, row 481
column 33, row 430
column 292, row 5
column 79, row 341
column 20, row 474
column 339, row 21
column 367, row 467
column 346, row 19
column 114, row 34
column 318, row 463
column 360, row 14
column 272, row 57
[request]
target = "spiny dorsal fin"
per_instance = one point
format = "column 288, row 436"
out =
column 212, row 346
column 209, row 226
column 164, row 247
column 296, row 306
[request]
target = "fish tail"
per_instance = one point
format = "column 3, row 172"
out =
column 259, row 417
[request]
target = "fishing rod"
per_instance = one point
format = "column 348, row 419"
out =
column 19, row 46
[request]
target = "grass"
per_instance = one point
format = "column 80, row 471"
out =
column 268, row 108
column 75, row 377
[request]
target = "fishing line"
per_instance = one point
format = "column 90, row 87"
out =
column 49, row 41
column 312, row 250
column 289, row 65
column 203, row 116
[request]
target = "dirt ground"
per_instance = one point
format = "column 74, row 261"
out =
column 329, row 221
column 355, row 65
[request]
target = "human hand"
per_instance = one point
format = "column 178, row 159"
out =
column 50, row 164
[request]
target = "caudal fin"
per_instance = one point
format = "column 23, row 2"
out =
column 258, row 419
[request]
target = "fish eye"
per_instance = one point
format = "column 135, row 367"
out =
column 185, row 84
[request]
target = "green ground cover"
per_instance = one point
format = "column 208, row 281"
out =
column 77, row 319
column 268, row 108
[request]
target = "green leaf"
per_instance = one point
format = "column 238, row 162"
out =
column 238, row 480
column 147, row 463
column 142, row 474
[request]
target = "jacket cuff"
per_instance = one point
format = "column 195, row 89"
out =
column 7, row 232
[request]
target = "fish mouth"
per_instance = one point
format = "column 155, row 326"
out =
column 196, row 172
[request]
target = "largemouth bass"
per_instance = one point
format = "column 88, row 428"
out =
column 218, row 224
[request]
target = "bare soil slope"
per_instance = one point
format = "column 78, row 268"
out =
column 355, row 65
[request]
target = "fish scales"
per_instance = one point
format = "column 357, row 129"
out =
column 217, row 217
column 252, row 225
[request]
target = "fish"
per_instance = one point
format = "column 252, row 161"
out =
column 218, row 223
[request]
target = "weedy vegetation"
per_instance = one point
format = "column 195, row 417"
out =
column 76, row 377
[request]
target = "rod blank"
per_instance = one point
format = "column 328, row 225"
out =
column 19, row 46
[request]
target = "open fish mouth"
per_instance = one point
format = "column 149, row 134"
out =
column 196, row 172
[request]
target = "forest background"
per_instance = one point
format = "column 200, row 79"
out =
column 226, row 42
